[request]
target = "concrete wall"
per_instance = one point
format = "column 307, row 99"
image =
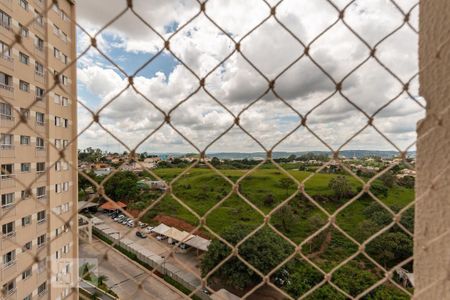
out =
column 432, row 228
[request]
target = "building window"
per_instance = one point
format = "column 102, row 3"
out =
column 41, row 240
column 39, row 69
column 24, row 86
column 42, row 288
column 40, row 192
column 23, row 4
column 40, row 118
column 58, row 188
column 8, row 229
column 5, row 50
column 25, row 112
column 39, row 93
column 5, row 111
column 26, row 220
column 7, row 200
column 9, row 288
column 9, row 258
column 27, row 247
column 40, row 143
column 40, row 167
column 6, row 141
column 65, row 186
column 64, row 80
column 41, row 217
column 27, row 273
column 6, row 80
column 25, row 167
column 39, row 43
column 24, row 195
column 29, row 297
column 56, row 53
column 24, row 32
column 5, row 20
column 65, row 101
column 57, row 121
column 66, row 123
column 39, row 18
column 24, row 140
column 7, row 170
column 58, row 143
column 24, row 58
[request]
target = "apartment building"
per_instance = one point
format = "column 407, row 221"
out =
column 37, row 187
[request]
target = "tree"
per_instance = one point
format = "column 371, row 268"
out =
column 391, row 248
column 101, row 280
column 287, row 216
column 215, row 161
column 286, row 183
column 264, row 250
column 388, row 179
column 340, row 186
column 122, row 186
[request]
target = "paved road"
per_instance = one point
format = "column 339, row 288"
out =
column 124, row 276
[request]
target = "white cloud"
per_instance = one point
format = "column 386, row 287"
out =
column 236, row 83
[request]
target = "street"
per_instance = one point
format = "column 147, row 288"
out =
column 125, row 278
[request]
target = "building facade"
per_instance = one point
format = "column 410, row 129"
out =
column 38, row 181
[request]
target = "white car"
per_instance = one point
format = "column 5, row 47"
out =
column 130, row 223
column 161, row 237
column 148, row 229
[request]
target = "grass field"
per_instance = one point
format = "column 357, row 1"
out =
column 201, row 189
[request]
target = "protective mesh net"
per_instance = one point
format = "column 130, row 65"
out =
column 300, row 251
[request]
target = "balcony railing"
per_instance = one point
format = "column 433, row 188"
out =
column 40, row 125
column 39, row 101
column 9, row 236
column 38, row 25
column 7, row 181
column 7, row 151
column 40, row 176
column 39, row 76
column 6, row 26
column 7, row 61
column 6, row 120
column 6, row 90
column 40, row 151
column 39, row 50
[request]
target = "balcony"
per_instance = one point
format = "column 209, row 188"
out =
column 9, row 241
column 7, row 151
column 7, row 61
column 7, row 181
column 10, row 295
column 41, row 227
column 39, row 101
column 41, row 176
column 40, row 151
column 39, row 51
column 6, row 90
column 5, row 28
column 39, row 76
column 39, row 26
column 40, row 126
column 9, row 270
column 6, row 121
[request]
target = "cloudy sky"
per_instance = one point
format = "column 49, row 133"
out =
column 236, row 79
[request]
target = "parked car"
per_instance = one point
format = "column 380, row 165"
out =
column 140, row 234
column 130, row 223
column 142, row 225
column 161, row 237
column 119, row 218
column 148, row 229
column 125, row 221
column 184, row 246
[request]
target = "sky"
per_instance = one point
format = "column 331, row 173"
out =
column 200, row 49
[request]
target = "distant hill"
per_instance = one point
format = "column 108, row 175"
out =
column 346, row 153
